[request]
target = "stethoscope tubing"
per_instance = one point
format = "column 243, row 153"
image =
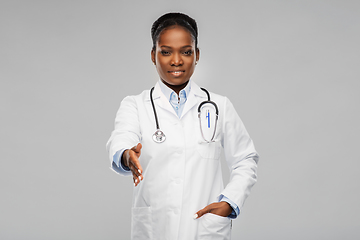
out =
column 217, row 115
column 160, row 137
column 153, row 106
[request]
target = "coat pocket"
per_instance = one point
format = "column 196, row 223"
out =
column 210, row 150
column 141, row 224
column 214, row 227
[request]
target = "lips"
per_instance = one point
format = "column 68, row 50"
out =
column 176, row 73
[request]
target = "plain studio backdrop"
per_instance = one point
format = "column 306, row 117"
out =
column 291, row 69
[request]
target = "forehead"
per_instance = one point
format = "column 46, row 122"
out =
column 175, row 36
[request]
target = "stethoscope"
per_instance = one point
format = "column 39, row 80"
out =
column 159, row 135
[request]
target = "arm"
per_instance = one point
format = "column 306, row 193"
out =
column 125, row 136
column 241, row 158
column 240, row 155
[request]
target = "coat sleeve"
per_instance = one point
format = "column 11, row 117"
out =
column 126, row 133
column 241, row 156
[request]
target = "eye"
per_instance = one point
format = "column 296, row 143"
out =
column 188, row 53
column 165, row 53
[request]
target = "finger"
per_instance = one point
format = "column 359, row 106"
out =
column 137, row 151
column 136, row 167
column 136, row 180
column 137, row 176
column 134, row 164
column 135, row 171
column 135, row 161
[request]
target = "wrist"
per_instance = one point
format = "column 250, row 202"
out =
column 124, row 162
column 228, row 208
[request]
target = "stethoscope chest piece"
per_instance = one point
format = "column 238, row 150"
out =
column 159, row 136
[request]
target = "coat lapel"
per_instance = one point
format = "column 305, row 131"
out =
column 160, row 100
column 196, row 95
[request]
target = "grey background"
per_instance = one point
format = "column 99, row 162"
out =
column 291, row 68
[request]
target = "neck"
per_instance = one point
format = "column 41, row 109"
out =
column 176, row 88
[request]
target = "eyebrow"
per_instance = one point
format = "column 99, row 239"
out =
column 164, row 46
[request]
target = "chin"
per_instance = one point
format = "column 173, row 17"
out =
column 177, row 83
column 174, row 81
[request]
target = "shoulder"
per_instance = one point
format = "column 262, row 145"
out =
column 225, row 106
column 143, row 96
column 218, row 97
column 198, row 90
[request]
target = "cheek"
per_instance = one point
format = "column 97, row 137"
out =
column 161, row 67
column 161, row 61
column 191, row 61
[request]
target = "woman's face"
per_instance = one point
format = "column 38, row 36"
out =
column 175, row 56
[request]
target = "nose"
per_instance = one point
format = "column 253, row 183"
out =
column 176, row 60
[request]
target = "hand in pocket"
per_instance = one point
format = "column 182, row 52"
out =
column 222, row 209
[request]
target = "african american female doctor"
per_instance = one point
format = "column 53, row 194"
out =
column 159, row 140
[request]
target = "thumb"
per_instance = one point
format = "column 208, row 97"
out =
column 201, row 212
column 137, row 148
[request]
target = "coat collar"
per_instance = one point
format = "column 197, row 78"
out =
column 195, row 95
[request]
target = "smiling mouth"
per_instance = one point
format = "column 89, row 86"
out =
column 176, row 73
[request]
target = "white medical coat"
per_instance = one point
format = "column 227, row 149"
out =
column 183, row 174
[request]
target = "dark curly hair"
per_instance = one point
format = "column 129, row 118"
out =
column 171, row 19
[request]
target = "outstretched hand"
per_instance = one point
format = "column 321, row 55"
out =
column 222, row 209
column 130, row 159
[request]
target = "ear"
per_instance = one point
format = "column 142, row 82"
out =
column 197, row 54
column 153, row 56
